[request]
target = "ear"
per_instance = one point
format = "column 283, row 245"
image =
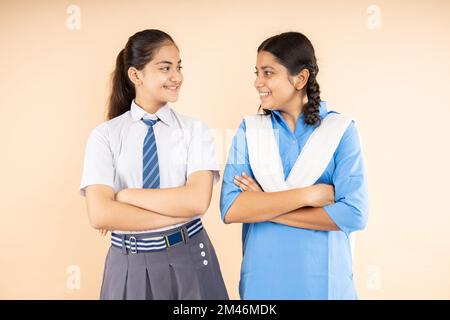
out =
column 301, row 79
column 135, row 76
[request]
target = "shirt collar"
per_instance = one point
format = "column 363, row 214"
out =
column 163, row 113
column 322, row 111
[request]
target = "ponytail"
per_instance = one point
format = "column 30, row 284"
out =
column 122, row 89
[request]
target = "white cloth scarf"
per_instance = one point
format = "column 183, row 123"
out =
column 313, row 160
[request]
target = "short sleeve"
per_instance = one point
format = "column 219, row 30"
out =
column 98, row 165
column 201, row 151
column 237, row 163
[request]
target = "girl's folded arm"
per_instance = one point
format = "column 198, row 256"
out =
column 263, row 206
column 107, row 213
column 190, row 200
column 308, row 218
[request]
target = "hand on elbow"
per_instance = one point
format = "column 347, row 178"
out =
column 319, row 195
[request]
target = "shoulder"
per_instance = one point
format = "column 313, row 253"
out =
column 192, row 125
column 350, row 139
column 106, row 130
column 339, row 116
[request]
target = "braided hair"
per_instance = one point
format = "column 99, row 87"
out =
column 295, row 52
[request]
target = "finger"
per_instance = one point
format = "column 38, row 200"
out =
column 254, row 187
column 237, row 183
column 245, row 176
column 248, row 178
column 245, row 181
column 251, row 183
column 240, row 185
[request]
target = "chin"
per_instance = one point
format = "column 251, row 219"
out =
column 172, row 99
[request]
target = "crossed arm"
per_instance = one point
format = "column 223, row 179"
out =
column 291, row 207
column 144, row 209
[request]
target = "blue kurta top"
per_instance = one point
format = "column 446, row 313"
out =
column 284, row 262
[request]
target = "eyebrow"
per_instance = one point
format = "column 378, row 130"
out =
column 168, row 62
column 265, row 67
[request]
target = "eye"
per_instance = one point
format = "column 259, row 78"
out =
column 268, row 73
column 165, row 69
column 179, row 68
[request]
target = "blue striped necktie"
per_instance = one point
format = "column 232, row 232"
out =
column 150, row 166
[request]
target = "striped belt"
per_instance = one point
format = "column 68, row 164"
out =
column 136, row 244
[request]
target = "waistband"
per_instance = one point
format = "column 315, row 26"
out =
column 158, row 241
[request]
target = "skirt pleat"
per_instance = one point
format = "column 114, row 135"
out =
column 136, row 282
column 159, row 276
column 177, row 273
column 115, row 276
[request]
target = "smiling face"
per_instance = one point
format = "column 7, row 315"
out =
column 160, row 80
column 276, row 87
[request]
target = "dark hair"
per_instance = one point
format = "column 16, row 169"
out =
column 139, row 50
column 295, row 52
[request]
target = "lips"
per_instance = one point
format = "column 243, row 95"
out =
column 264, row 94
column 172, row 88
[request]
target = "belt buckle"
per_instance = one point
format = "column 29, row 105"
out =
column 133, row 242
column 183, row 236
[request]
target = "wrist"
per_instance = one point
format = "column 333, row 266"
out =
column 303, row 197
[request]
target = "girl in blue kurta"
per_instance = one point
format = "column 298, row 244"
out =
column 296, row 234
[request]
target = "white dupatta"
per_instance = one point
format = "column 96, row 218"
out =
column 265, row 161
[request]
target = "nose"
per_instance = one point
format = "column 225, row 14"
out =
column 258, row 82
column 177, row 77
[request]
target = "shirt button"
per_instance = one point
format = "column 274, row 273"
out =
column 203, row 253
column 205, row 262
column 201, row 245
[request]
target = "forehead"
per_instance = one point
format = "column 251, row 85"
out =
column 168, row 52
column 265, row 58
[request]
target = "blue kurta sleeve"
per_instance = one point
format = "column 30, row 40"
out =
column 236, row 164
column 350, row 210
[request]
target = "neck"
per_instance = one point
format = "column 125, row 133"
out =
column 150, row 106
column 293, row 112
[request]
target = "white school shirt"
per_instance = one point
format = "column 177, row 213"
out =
column 113, row 154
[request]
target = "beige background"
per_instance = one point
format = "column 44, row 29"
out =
column 54, row 85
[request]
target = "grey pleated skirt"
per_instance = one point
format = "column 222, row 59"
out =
column 185, row 271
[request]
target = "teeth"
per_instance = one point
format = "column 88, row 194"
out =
column 171, row 88
column 264, row 94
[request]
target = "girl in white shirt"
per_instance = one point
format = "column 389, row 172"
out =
column 148, row 177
